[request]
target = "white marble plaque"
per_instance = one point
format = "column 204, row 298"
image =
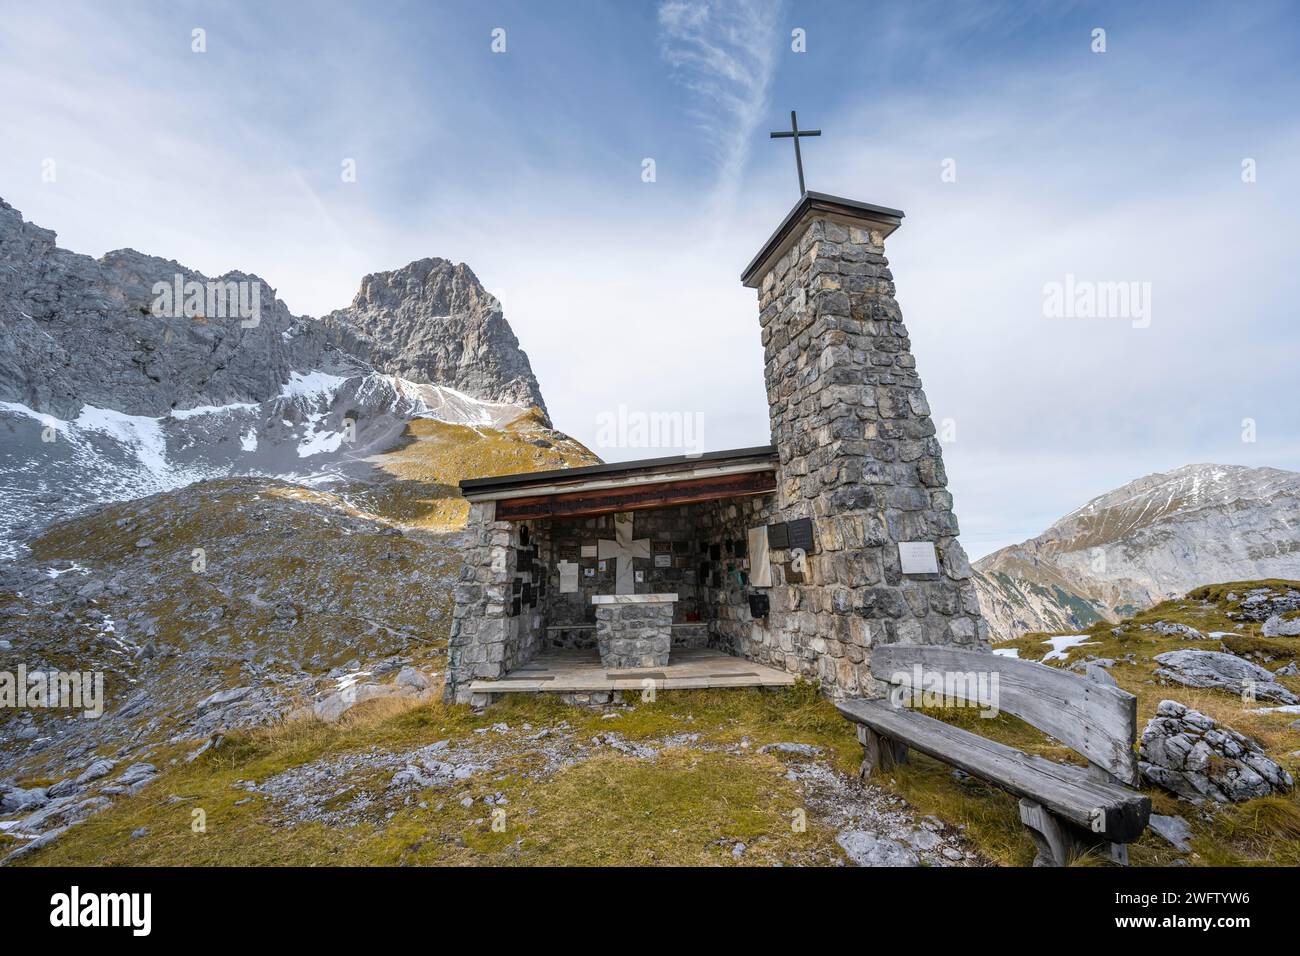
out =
column 588, row 550
column 568, row 577
column 663, row 560
column 918, row 557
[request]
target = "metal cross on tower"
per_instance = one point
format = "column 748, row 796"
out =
column 795, row 133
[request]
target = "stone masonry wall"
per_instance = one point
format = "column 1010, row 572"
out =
column 486, row 641
column 731, row 628
column 859, row 457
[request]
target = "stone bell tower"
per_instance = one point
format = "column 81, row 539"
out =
column 857, row 447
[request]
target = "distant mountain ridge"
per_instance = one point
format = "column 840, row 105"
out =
column 76, row 330
column 112, row 389
column 1147, row 541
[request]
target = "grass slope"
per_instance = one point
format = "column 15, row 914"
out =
column 434, row 456
column 684, row 807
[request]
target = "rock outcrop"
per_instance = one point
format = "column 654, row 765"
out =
column 1188, row 754
column 1223, row 671
column 1275, row 626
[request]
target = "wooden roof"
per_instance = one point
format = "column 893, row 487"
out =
column 627, row 486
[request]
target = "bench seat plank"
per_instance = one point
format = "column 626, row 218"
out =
column 1065, row 790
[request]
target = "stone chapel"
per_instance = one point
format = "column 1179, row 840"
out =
column 749, row 567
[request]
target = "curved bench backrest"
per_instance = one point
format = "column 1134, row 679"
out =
column 1093, row 719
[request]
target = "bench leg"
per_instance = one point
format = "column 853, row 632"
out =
column 879, row 752
column 1058, row 841
column 1055, row 843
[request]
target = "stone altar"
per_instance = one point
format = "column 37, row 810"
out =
column 634, row 630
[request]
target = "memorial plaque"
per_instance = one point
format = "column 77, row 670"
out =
column 589, row 550
column 528, row 594
column 918, row 557
column 801, row 533
column 516, row 585
column 515, row 608
column 758, row 605
column 523, row 535
column 568, row 577
column 778, row 535
column 663, row 560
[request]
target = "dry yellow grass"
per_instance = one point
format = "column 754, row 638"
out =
column 434, row 456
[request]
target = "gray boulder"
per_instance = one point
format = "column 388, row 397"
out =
column 797, row 750
column 63, row 788
column 1173, row 830
column 17, row 799
column 98, row 768
column 1275, row 626
column 865, row 848
column 1098, row 674
column 412, row 679
column 1188, row 754
column 333, row 706
column 1224, row 671
column 1173, row 629
column 223, row 697
column 137, row 775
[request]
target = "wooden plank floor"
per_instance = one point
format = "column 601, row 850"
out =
column 574, row 671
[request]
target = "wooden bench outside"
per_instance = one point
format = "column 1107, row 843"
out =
column 1066, row 808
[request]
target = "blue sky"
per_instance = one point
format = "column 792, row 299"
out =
column 1117, row 166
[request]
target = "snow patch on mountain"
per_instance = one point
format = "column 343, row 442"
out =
column 319, row 430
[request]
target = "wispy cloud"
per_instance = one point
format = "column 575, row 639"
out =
column 724, row 54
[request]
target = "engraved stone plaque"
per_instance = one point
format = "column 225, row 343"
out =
column 918, row 557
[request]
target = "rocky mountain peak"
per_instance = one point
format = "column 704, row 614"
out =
column 432, row 321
